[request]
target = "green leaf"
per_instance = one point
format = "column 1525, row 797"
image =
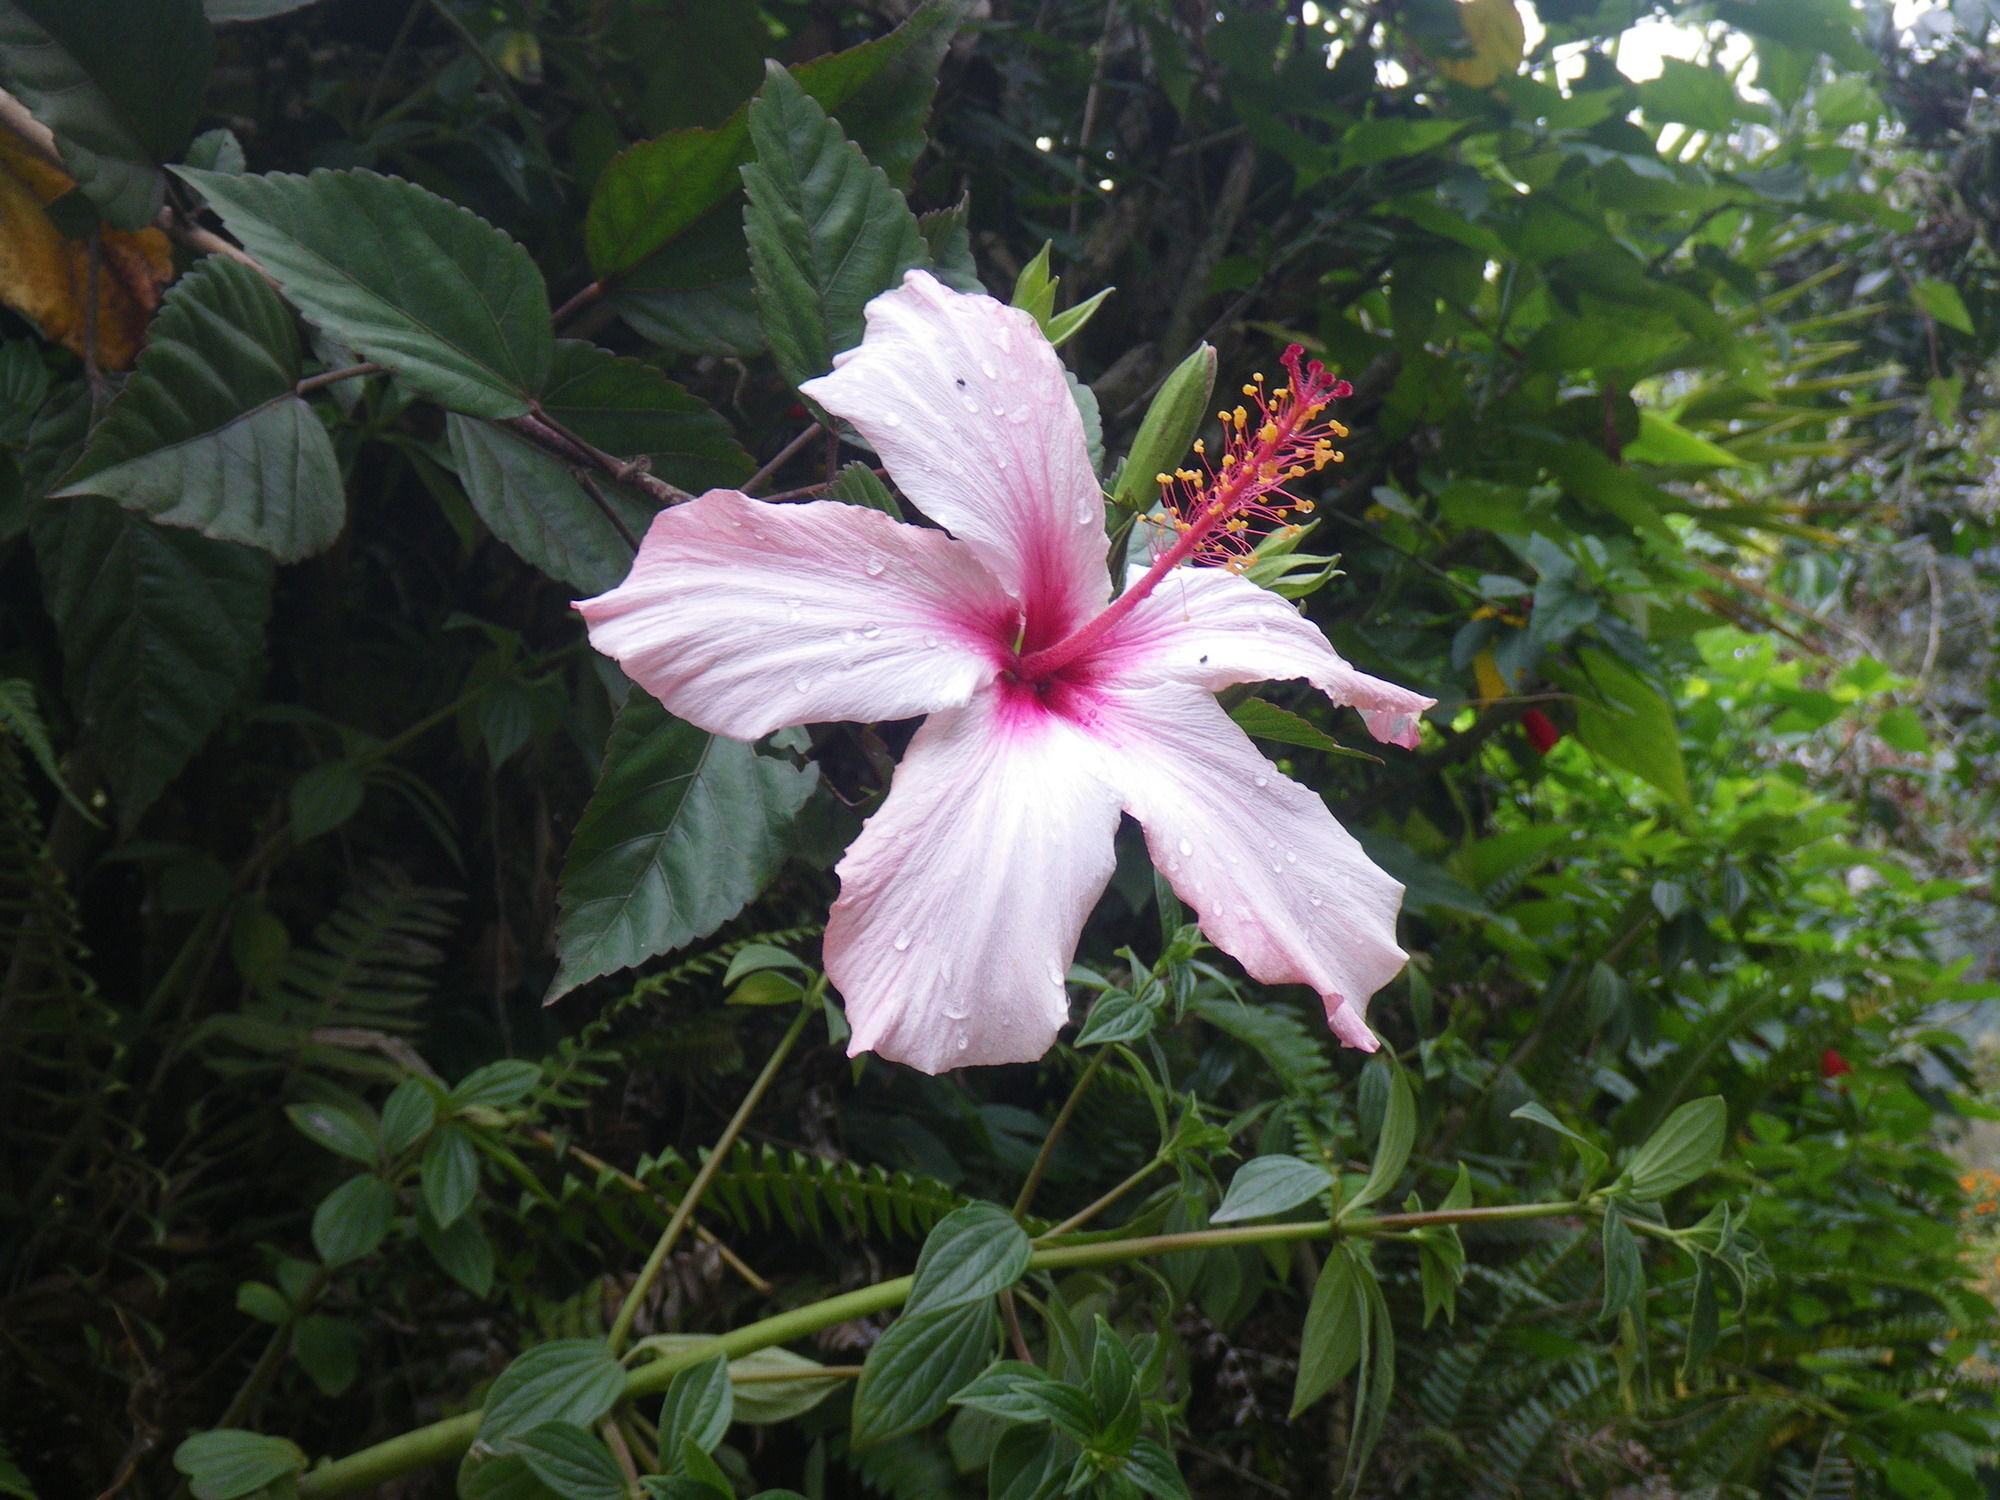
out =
column 496, row 1085
column 327, row 1349
column 263, row 1302
column 21, row 717
column 1900, row 729
column 1624, row 1272
column 1624, row 718
column 568, row 1380
column 1704, row 1317
column 462, row 1251
column 1150, row 1465
column 1691, row 94
column 352, row 1220
column 972, row 1253
column 120, row 85
column 336, row 1129
column 407, row 1116
column 161, row 628
column 1067, row 324
column 1594, row 1159
column 755, row 958
column 450, row 1174
column 697, row 1408
column 760, row 1399
column 221, row 12
column 631, row 410
column 1941, row 300
column 857, row 484
column 207, row 433
column 323, row 798
column 1267, row 1185
column 826, row 230
column 663, row 189
column 572, row 1462
column 1267, row 721
column 532, row 501
column 1169, row 426
column 226, row 1463
column 914, row 1369
column 681, row 834
column 1336, row 1328
column 1392, row 1146
column 1667, row 443
column 408, row 279
column 1682, row 1150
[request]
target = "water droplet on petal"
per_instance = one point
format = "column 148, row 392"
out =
column 902, row 941
column 892, row 419
column 1186, row 847
column 1291, row 857
column 964, row 1042
column 990, row 370
column 871, row 630
column 804, row 684
column 1315, row 901
column 930, row 643
column 873, row 567
column 1263, row 781
column 970, row 405
column 1018, row 415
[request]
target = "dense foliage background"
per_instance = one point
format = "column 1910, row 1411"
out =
column 1669, row 480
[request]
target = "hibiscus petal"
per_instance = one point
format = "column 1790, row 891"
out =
column 969, row 408
column 1211, row 628
column 962, row 900
column 1277, row 882
column 743, row 617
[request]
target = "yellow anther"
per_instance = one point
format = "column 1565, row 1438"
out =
column 1268, row 433
column 1240, row 417
column 1306, row 507
column 1340, row 458
column 1162, row 479
column 1336, row 429
column 1249, row 390
column 1229, row 460
column 1200, row 446
column 1295, row 472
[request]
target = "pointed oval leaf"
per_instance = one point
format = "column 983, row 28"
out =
column 681, row 834
column 207, row 433
column 1683, row 1149
column 462, row 1251
column 697, row 1409
column 972, row 1253
column 408, row 279
column 227, row 1462
column 1267, row 1185
column 450, row 1174
column 631, row 410
column 572, row 1462
column 568, row 1380
column 1336, row 1328
column 352, row 1220
column 913, row 1371
column 827, row 231
column 161, row 628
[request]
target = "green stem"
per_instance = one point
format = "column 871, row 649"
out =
column 1085, row 1215
column 621, row 1326
column 442, row 1441
column 1060, row 1124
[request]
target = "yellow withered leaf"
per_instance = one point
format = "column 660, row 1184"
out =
column 47, row 276
column 1498, row 39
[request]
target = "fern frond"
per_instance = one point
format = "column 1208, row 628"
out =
column 1296, row 1055
column 761, row 1187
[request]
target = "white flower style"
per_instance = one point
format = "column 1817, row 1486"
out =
column 1052, row 707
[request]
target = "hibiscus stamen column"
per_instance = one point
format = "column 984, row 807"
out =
column 1210, row 510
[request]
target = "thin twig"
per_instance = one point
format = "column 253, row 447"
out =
column 334, row 377
column 387, row 66
column 1083, row 1216
column 582, row 299
column 621, row 1326
column 785, row 455
column 606, row 509
column 550, row 436
column 1056, row 1128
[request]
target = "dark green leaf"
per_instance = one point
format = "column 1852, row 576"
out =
column 1703, row 1318
column 221, row 12
column 1392, row 1146
column 160, row 627
column 914, row 1369
column 1151, row 1466
column 571, row 1462
column 407, row 1116
column 323, row 798
column 569, row 1380
column 337, row 1130
column 462, row 1251
column 533, row 502
column 973, row 1252
column 119, row 84
column 1691, row 94
column 450, row 1174
column 1624, row 1273
column 1267, row 721
column 697, row 1409
column 1336, row 1328
column 682, row 832
column 352, row 1220
column 408, row 279
column 1593, row 1156
column 631, row 410
column 1267, row 1185
column 226, row 1463
column 207, row 433
column 826, row 229
column 496, row 1085
column 1681, row 1151
column 328, row 1350
column 857, row 484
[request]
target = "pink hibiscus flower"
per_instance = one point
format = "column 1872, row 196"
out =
column 1052, row 707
